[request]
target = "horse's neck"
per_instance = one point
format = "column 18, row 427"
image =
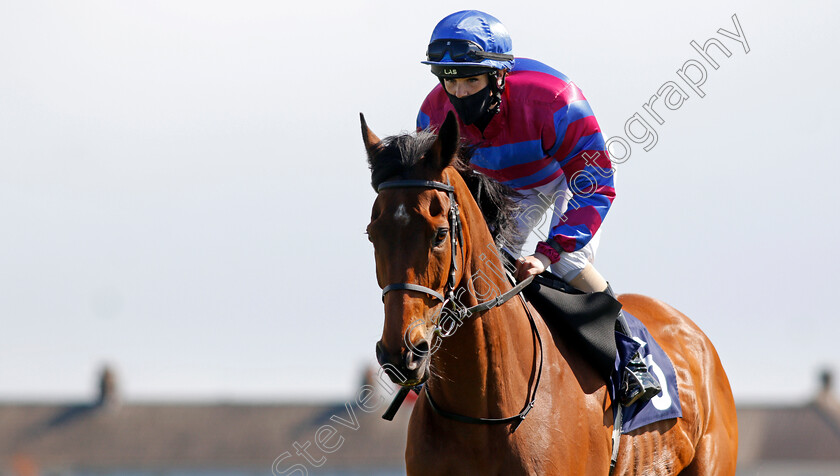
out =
column 485, row 366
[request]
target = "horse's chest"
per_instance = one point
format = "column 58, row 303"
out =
column 545, row 444
column 472, row 452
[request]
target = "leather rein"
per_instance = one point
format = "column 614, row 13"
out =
column 456, row 239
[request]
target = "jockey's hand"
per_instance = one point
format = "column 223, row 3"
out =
column 531, row 265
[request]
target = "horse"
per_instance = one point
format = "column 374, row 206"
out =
column 546, row 409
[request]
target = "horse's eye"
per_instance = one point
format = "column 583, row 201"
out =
column 441, row 235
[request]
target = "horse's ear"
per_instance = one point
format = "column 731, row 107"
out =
column 447, row 143
column 371, row 141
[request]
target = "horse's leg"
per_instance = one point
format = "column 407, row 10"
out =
column 711, row 459
column 716, row 453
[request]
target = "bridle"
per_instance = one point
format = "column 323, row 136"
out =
column 456, row 235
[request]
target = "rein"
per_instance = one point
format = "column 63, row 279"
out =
column 515, row 419
column 457, row 238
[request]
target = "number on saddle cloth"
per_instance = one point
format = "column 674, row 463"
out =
column 667, row 404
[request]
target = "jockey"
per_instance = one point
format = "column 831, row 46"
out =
column 533, row 130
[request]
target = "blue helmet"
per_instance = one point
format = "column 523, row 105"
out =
column 469, row 40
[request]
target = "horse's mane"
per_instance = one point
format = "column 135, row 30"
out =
column 398, row 155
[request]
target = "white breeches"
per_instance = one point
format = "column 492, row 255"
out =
column 537, row 206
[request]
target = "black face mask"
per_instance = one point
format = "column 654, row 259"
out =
column 471, row 108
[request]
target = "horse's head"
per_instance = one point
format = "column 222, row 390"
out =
column 418, row 244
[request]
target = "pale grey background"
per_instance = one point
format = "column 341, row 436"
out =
column 183, row 188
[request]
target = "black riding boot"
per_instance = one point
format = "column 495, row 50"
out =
column 637, row 383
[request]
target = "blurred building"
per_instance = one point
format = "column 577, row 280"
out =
column 108, row 437
column 791, row 440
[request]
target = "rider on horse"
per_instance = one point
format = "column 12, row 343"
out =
column 533, row 130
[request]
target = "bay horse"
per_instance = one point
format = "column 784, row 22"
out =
column 554, row 414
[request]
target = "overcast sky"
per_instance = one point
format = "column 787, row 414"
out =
column 183, row 187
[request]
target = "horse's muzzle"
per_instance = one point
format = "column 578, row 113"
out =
column 408, row 367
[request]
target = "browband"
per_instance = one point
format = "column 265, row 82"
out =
column 415, row 183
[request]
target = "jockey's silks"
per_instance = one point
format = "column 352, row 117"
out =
column 544, row 130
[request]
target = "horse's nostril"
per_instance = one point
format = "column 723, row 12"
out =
column 381, row 356
column 416, row 353
column 421, row 348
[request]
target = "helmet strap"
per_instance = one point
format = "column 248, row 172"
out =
column 497, row 87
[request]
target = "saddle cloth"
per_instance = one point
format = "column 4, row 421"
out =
column 664, row 406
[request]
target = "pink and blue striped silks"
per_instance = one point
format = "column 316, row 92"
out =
column 544, row 130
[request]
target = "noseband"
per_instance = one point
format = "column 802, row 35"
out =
column 456, row 235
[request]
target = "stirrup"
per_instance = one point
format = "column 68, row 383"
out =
column 638, row 385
